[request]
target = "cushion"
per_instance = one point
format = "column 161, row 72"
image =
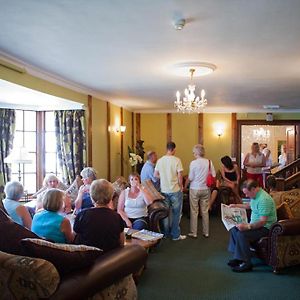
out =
column 152, row 191
column 284, row 212
column 11, row 234
column 23, row 277
column 73, row 189
column 119, row 185
column 65, row 257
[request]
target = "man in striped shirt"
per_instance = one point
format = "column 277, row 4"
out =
column 263, row 215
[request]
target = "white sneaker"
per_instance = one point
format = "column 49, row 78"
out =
column 192, row 235
column 180, row 238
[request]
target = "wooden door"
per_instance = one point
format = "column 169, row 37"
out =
column 290, row 145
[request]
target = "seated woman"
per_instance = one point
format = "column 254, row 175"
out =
column 133, row 202
column 100, row 226
column 52, row 182
column 84, row 200
column 231, row 176
column 14, row 191
column 49, row 222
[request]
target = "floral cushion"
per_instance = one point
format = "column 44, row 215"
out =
column 124, row 289
column 284, row 212
column 23, row 277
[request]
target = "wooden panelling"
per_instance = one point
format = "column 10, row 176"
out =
column 90, row 131
column 169, row 127
column 234, row 136
column 138, row 126
column 108, row 141
column 200, row 128
column 132, row 130
column 122, row 143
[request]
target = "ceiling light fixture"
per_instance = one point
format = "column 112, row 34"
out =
column 179, row 24
column 190, row 103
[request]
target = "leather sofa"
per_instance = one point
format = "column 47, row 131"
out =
column 281, row 248
column 106, row 278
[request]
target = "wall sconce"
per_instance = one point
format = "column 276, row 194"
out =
column 219, row 129
column 117, row 129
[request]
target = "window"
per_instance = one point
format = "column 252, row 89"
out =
column 33, row 130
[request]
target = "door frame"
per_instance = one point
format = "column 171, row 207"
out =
column 237, row 149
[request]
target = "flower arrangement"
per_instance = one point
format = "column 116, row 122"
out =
column 134, row 158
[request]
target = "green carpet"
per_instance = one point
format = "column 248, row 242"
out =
column 196, row 269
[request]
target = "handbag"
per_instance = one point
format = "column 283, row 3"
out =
column 210, row 180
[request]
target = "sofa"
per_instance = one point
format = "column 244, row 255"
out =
column 109, row 276
column 281, row 248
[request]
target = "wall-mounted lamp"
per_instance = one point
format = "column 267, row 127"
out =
column 219, row 129
column 117, row 128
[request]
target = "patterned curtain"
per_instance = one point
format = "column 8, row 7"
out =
column 7, row 130
column 71, row 142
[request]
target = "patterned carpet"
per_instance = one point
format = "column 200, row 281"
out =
column 196, row 269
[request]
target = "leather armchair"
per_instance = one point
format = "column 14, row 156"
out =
column 156, row 212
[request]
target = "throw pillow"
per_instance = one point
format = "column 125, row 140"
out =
column 24, row 277
column 152, row 191
column 73, row 189
column 65, row 257
column 119, row 185
column 284, row 212
column 11, row 234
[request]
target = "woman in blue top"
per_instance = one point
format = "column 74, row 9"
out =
column 14, row 191
column 84, row 199
column 49, row 222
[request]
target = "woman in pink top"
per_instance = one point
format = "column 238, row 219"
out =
column 254, row 162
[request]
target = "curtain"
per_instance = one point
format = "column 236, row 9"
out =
column 71, row 142
column 7, row 130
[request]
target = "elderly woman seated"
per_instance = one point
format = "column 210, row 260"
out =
column 49, row 222
column 100, row 226
column 51, row 181
column 14, row 191
column 84, row 200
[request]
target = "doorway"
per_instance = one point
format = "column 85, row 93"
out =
column 273, row 134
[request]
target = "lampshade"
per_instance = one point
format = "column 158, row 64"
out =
column 19, row 155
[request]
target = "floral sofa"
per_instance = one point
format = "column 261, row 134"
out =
column 108, row 276
column 281, row 248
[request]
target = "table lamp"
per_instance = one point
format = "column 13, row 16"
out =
column 19, row 155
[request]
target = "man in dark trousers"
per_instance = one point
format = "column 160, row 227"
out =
column 263, row 215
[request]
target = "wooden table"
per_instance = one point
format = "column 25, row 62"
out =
column 145, row 244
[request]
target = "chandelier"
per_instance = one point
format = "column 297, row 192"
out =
column 190, row 103
column 261, row 134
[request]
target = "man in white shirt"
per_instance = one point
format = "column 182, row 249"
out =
column 169, row 170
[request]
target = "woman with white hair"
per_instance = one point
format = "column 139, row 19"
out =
column 199, row 191
column 100, row 226
column 51, row 181
column 83, row 199
column 14, row 191
column 50, row 222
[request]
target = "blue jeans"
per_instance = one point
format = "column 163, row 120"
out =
column 171, row 224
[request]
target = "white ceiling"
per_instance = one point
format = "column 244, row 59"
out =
column 122, row 50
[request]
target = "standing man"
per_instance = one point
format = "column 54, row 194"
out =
column 169, row 170
column 263, row 215
column 148, row 169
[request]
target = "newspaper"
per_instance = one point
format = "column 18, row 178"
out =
column 231, row 216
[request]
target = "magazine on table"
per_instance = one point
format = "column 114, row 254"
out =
column 145, row 235
column 231, row 216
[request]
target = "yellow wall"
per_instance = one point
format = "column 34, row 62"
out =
column 127, row 141
column 216, row 147
column 185, row 136
column 154, row 132
column 262, row 116
column 99, row 137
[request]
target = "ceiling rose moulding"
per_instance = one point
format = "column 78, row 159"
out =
column 183, row 69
